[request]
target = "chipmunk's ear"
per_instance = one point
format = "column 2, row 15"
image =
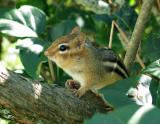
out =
column 80, row 37
column 80, row 41
column 76, row 30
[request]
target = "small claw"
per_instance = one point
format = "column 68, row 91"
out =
column 72, row 84
column 73, row 91
column 80, row 92
column 76, row 93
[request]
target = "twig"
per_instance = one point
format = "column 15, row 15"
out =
column 158, row 4
column 126, row 43
column 111, row 36
column 124, row 36
column 137, row 33
column 140, row 61
column 125, row 40
column 51, row 70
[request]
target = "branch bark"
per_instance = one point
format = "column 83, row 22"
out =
column 137, row 33
column 31, row 101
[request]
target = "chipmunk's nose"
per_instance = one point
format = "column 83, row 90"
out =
column 46, row 53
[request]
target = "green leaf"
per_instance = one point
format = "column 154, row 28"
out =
column 151, row 47
column 98, row 7
column 27, row 21
column 15, row 29
column 4, row 121
column 126, row 18
column 34, row 17
column 31, row 55
column 62, row 28
column 131, row 114
column 115, row 94
column 153, row 69
column 154, row 86
column 158, row 96
column 103, row 119
column 12, row 14
column 154, row 89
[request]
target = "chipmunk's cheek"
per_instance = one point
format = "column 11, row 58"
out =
column 56, row 59
column 52, row 58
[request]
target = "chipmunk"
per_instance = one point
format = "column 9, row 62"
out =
column 93, row 68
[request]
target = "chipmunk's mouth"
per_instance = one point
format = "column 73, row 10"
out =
column 46, row 53
column 52, row 58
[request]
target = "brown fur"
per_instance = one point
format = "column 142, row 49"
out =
column 82, row 62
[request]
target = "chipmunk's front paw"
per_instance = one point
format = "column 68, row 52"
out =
column 80, row 92
column 72, row 84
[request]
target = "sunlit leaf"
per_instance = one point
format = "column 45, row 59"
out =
column 4, row 121
column 27, row 21
column 153, row 69
column 141, row 93
column 97, row 6
column 15, row 29
column 34, row 17
column 131, row 114
column 31, row 55
column 12, row 14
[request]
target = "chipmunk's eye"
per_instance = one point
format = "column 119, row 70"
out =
column 63, row 47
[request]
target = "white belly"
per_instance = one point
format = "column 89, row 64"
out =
column 78, row 76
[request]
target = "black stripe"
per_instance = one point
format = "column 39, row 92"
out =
column 116, row 70
column 108, row 55
column 123, row 67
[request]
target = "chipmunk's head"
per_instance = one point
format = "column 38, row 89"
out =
column 66, row 48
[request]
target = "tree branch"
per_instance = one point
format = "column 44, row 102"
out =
column 137, row 33
column 30, row 101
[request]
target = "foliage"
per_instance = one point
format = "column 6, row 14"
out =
column 151, row 44
column 33, row 25
column 119, row 89
column 153, row 69
column 6, row 114
column 130, row 114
